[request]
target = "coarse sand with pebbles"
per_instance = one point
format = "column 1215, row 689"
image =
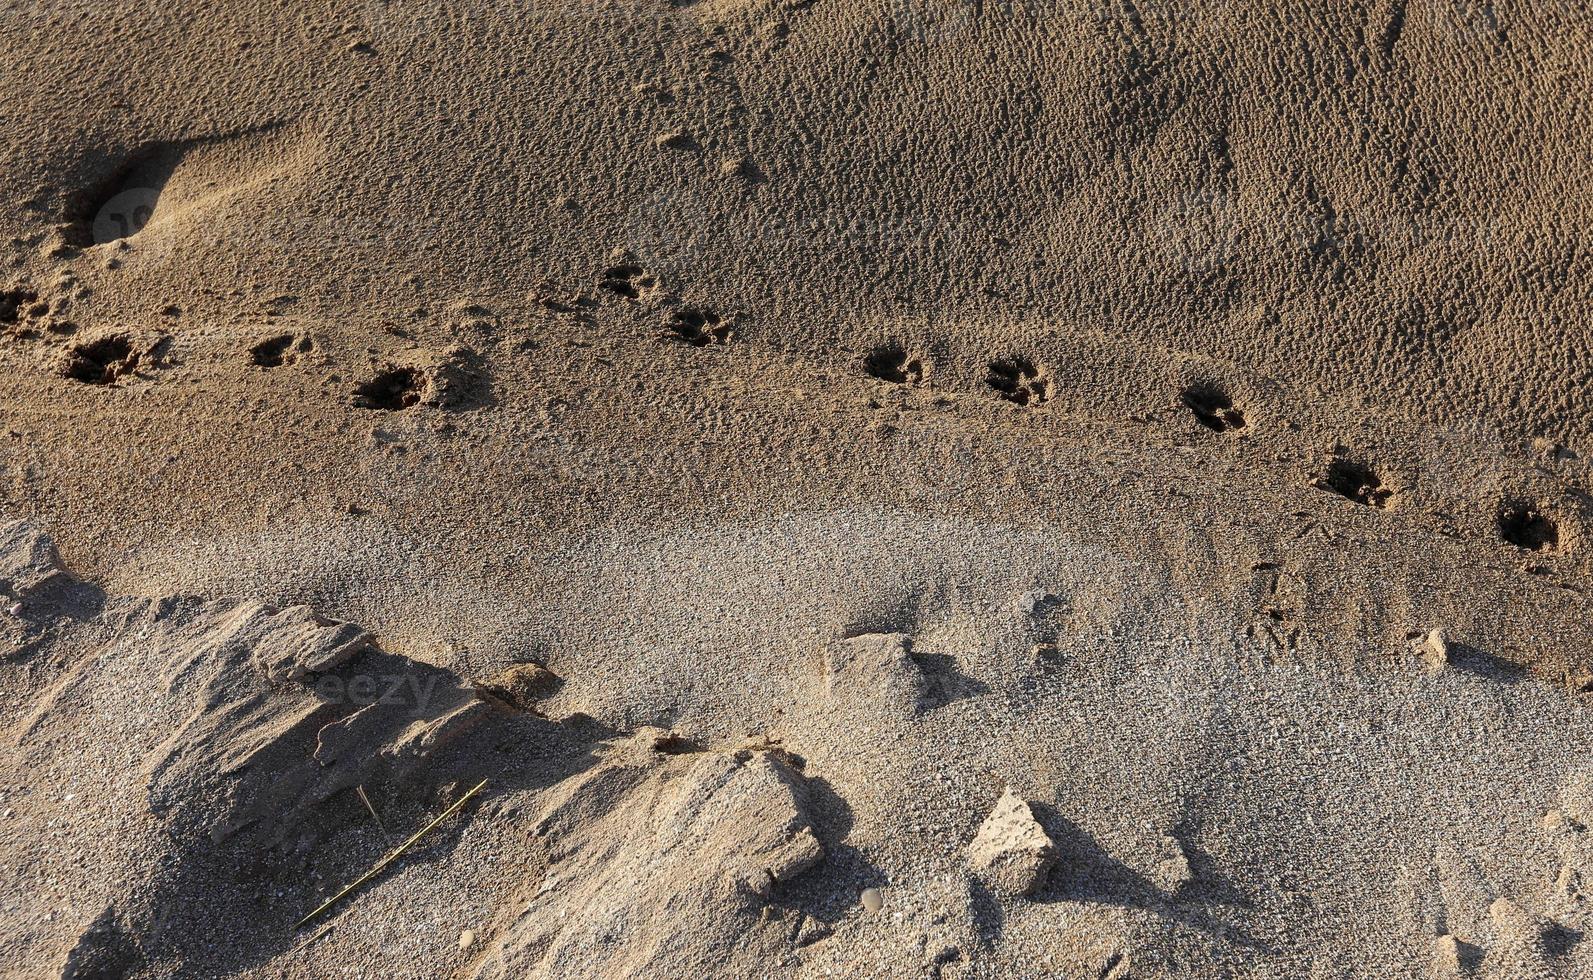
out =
column 796, row 488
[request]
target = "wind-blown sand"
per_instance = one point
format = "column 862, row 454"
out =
column 1007, row 460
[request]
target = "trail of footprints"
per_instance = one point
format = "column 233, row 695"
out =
column 106, row 358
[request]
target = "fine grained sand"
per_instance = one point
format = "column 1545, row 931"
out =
column 856, row 410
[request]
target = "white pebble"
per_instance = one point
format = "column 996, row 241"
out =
column 873, row 901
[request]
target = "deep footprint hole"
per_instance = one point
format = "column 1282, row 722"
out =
column 1526, row 526
column 1357, row 482
column 278, row 350
column 124, row 201
column 100, row 361
column 13, row 301
column 891, row 362
column 1213, row 408
column 699, row 328
column 392, row 390
column 1018, row 380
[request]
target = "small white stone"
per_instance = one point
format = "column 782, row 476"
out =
column 873, row 901
column 467, row 939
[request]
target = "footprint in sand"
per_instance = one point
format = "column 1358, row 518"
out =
column 697, row 328
column 893, row 363
column 1018, row 380
column 1213, row 408
column 1355, row 481
column 280, row 349
column 1528, row 525
column 101, row 360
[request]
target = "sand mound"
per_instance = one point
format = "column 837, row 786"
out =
column 193, row 742
column 661, row 859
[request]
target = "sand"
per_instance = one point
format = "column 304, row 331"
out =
column 875, row 487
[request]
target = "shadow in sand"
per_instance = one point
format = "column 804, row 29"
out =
column 1085, row 872
column 1206, row 885
column 1486, row 665
column 944, row 682
column 1559, row 940
column 210, row 883
column 830, row 894
column 58, row 599
column 989, row 919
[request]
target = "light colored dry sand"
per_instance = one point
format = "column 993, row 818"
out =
column 862, row 408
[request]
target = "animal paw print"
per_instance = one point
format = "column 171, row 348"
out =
column 1213, row 408
column 17, row 303
column 891, row 362
column 100, row 360
column 23, row 313
column 1355, row 481
column 391, row 390
column 1528, row 526
column 699, row 328
column 450, row 378
column 280, row 349
column 628, row 280
column 1018, row 380
column 1276, row 619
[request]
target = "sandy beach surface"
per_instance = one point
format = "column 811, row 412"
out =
column 796, row 488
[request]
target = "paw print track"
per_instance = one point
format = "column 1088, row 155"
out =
column 1213, row 408
column 1526, row 526
column 1357, row 482
column 101, row 360
column 629, row 281
column 891, row 362
column 392, row 390
column 14, row 302
column 699, row 328
column 1019, row 381
column 279, row 350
